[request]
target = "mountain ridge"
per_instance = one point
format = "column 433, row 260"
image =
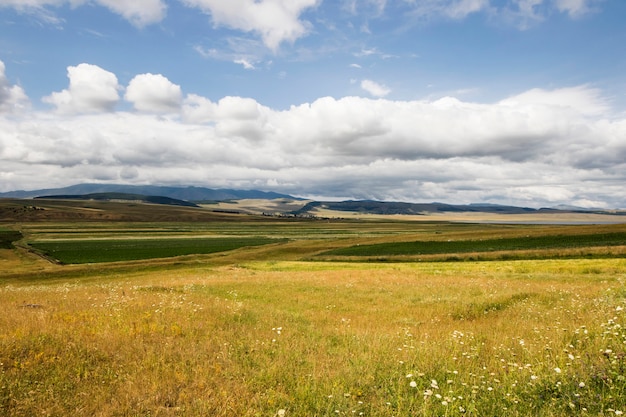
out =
column 189, row 193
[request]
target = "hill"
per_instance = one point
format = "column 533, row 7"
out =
column 179, row 193
column 152, row 199
column 383, row 207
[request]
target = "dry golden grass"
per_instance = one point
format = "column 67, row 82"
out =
column 317, row 339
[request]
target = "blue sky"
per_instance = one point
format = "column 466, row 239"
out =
column 502, row 101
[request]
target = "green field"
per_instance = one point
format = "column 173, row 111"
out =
column 7, row 237
column 430, row 247
column 272, row 325
column 115, row 250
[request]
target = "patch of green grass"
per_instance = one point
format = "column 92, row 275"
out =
column 7, row 237
column 95, row 251
column 432, row 247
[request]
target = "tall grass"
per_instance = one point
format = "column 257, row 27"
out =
column 316, row 339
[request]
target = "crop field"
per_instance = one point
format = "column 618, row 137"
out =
column 429, row 247
column 94, row 251
column 273, row 325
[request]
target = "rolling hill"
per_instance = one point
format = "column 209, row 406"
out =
column 179, row 193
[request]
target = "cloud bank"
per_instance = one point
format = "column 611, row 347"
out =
column 537, row 148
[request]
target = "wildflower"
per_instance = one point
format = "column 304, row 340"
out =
column 557, row 370
column 413, row 384
column 433, row 384
column 280, row 413
column 409, row 375
column 444, row 403
column 428, row 393
column 618, row 412
column 582, row 384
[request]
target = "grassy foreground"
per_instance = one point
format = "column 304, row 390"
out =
column 500, row 338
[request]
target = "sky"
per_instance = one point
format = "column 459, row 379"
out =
column 519, row 102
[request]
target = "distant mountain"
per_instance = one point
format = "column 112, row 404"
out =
column 179, row 193
column 384, row 207
column 122, row 197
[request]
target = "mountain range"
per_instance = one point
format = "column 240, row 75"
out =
column 189, row 196
column 179, row 193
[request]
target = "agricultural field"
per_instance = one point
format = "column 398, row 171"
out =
column 294, row 317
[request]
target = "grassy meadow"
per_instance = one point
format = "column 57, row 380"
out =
column 281, row 329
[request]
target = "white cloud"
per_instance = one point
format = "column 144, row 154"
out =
column 276, row 21
column 138, row 12
column 460, row 9
column 12, row 97
column 582, row 99
column 154, row 93
column 520, row 13
column 576, row 8
column 375, row 89
column 452, row 9
column 91, row 89
column 244, row 63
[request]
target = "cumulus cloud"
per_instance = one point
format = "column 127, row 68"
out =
column 276, row 21
column 12, row 97
column 91, row 89
column 375, row 89
column 138, row 12
column 154, row 93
